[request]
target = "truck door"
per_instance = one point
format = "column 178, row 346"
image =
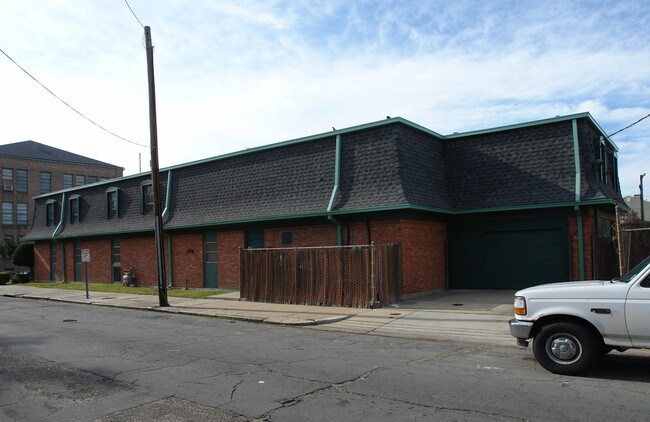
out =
column 637, row 309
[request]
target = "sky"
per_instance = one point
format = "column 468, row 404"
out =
column 236, row 74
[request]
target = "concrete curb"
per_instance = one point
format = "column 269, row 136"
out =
column 280, row 320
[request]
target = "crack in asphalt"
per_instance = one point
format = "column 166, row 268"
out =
column 234, row 389
column 295, row 400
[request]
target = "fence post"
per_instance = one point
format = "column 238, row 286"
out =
column 373, row 275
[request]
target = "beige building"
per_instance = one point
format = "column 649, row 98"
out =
column 634, row 202
column 30, row 168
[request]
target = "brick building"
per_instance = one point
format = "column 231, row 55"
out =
column 499, row 208
column 30, row 168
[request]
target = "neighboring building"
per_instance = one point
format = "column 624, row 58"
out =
column 29, row 169
column 502, row 208
column 634, row 202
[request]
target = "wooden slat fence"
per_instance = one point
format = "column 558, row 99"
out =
column 351, row 276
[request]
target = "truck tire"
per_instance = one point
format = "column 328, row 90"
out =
column 566, row 348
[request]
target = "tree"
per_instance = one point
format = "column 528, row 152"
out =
column 7, row 246
column 24, row 255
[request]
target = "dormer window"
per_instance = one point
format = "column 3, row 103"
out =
column 112, row 202
column 50, row 212
column 146, row 196
column 604, row 158
column 74, row 208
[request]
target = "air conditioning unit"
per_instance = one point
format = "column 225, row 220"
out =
column 8, row 187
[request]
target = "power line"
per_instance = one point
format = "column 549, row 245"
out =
column 69, row 106
column 132, row 12
column 629, row 126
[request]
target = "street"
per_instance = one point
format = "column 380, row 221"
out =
column 67, row 362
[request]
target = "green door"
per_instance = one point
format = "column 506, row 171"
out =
column 508, row 255
column 210, row 266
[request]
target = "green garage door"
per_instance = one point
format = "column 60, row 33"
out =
column 508, row 255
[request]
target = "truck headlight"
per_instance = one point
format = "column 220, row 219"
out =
column 520, row 305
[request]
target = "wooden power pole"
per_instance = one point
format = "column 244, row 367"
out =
column 155, row 170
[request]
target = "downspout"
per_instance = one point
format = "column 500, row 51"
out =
column 164, row 214
column 56, row 231
column 335, row 191
column 168, row 195
column 576, row 158
column 170, row 260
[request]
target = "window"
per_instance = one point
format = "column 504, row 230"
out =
column 50, row 212
column 286, row 238
column 74, row 208
column 21, row 214
column 7, row 176
column 79, row 180
column 254, row 239
column 46, row 182
column 210, row 247
column 67, row 181
column 613, row 170
column 112, row 202
column 146, row 199
column 116, row 260
column 603, row 158
column 21, row 181
column 92, row 179
column 7, row 213
column 101, row 179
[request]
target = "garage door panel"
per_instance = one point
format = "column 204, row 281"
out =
column 509, row 259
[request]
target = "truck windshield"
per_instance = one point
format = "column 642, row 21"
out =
column 636, row 270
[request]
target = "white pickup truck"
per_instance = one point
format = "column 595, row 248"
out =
column 573, row 324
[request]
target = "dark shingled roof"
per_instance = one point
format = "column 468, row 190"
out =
column 393, row 164
column 30, row 150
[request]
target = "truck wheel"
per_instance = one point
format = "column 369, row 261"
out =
column 566, row 348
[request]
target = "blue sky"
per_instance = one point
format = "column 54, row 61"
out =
column 237, row 74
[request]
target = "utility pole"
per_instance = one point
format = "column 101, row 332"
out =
column 155, row 184
column 641, row 196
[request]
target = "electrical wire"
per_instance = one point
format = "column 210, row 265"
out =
column 132, row 12
column 69, row 106
column 629, row 126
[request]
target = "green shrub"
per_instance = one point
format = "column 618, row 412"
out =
column 4, row 277
column 24, row 255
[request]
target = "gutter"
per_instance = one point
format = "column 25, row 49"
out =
column 168, row 195
column 335, row 191
column 58, row 227
column 56, row 231
column 576, row 158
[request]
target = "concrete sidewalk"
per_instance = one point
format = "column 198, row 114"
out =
column 470, row 316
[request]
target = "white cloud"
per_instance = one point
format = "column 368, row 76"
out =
column 237, row 74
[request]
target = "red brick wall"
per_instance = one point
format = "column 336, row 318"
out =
column 588, row 232
column 303, row 236
column 42, row 261
column 187, row 251
column 99, row 267
column 69, row 262
column 228, row 245
column 423, row 251
column 140, row 253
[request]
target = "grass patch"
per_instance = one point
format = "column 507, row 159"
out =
column 118, row 288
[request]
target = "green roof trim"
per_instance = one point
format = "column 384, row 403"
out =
column 585, row 115
column 345, row 212
column 333, row 134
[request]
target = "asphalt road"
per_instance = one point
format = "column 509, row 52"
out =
column 76, row 362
